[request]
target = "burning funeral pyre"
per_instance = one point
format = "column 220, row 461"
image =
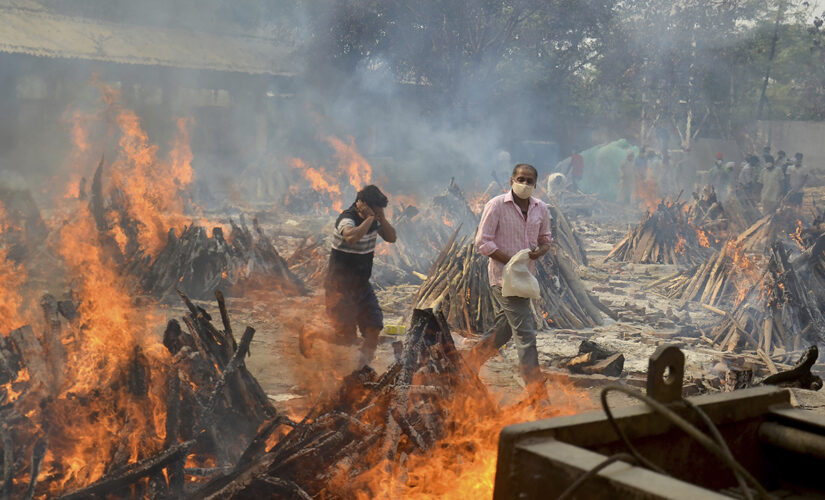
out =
column 664, row 236
column 402, row 433
column 778, row 314
column 98, row 399
column 723, row 280
column 197, row 263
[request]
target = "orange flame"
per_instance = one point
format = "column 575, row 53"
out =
column 153, row 187
column 93, row 416
column 351, row 168
column 318, row 181
column 680, row 244
column 12, row 278
column 647, row 191
column 702, row 236
column 796, row 236
column 463, row 464
column 350, row 161
column 745, row 270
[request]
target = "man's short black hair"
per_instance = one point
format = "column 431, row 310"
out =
column 372, row 196
column 753, row 160
column 527, row 166
column 769, row 159
column 798, row 156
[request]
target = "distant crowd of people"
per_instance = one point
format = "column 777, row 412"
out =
column 767, row 179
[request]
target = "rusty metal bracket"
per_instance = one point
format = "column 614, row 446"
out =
column 665, row 372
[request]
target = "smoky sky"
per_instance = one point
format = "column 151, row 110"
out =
column 416, row 137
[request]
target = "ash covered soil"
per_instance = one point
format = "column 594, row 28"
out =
column 646, row 320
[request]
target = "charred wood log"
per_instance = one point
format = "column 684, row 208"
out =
column 131, row 474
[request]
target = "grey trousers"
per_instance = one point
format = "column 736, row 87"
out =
column 514, row 317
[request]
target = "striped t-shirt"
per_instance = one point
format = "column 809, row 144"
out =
column 350, row 265
column 362, row 246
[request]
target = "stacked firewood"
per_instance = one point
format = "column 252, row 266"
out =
column 565, row 237
column 722, row 280
column 810, row 264
column 706, row 213
column 759, row 236
column 214, row 407
column 458, row 286
column 199, row 265
column 663, row 237
column 309, row 260
column 422, row 234
column 742, row 210
column 779, row 313
column 371, row 421
column 194, row 262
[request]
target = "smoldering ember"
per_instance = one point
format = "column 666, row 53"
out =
column 370, row 249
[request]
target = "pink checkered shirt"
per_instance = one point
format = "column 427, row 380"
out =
column 504, row 228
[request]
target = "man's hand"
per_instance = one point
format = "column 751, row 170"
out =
column 364, row 210
column 538, row 252
column 386, row 230
column 500, row 256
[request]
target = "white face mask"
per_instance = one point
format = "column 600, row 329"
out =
column 523, row 191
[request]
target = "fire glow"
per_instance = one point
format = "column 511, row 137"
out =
column 85, row 408
column 351, row 168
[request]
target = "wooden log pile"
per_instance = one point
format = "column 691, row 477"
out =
column 810, row 264
column 707, row 215
column 565, row 237
column 195, row 262
column 214, row 408
column 457, row 286
column 662, row 237
column 372, row 422
column 199, row 264
column 742, row 210
column 309, row 260
column 760, row 235
column 779, row 314
column 422, row 234
column 723, row 280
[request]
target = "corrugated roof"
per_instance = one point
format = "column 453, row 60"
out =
column 40, row 33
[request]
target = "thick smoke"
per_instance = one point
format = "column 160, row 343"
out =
column 450, row 116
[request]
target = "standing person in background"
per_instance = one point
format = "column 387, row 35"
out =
column 576, row 170
column 512, row 222
column 350, row 300
column 797, row 177
column 781, row 161
column 773, row 182
column 748, row 176
column 627, row 180
column 718, row 175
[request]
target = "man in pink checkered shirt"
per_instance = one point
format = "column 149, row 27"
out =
column 511, row 222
